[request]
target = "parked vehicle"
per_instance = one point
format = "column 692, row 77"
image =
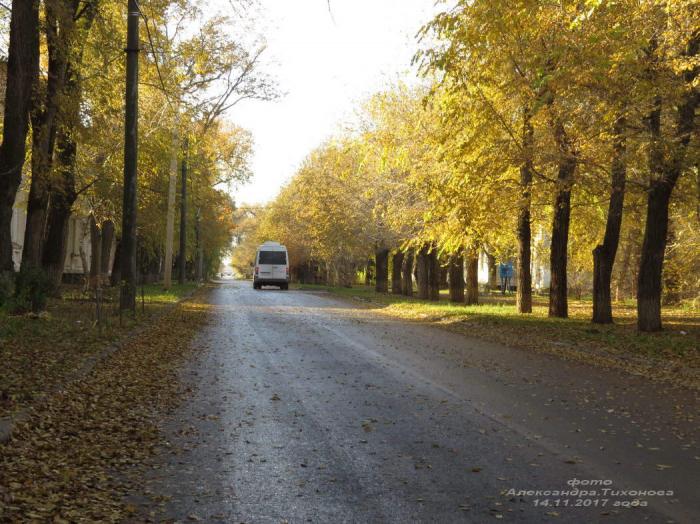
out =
column 271, row 266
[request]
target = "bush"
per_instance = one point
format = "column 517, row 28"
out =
column 32, row 289
column 7, row 286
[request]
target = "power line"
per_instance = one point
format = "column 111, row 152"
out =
column 155, row 57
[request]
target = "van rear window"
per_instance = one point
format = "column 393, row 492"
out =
column 272, row 257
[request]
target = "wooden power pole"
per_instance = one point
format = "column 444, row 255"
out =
column 183, row 214
column 170, row 214
column 127, row 294
column 200, row 249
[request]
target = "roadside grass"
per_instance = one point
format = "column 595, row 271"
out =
column 674, row 351
column 38, row 353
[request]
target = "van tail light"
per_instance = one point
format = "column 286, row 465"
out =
column 256, row 269
column 287, row 268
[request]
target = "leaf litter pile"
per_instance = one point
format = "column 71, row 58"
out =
column 78, row 455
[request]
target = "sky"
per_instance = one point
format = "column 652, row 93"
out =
column 326, row 62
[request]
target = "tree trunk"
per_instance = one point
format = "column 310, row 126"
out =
column 665, row 173
column 558, row 289
column 107, row 241
column 407, row 274
column 86, row 267
column 38, row 201
column 199, row 267
column 346, row 272
column 22, row 70
column 558, row 300
column 604, row 254
column 671, row 288
column 205, row 261
column 602, row 273
column 423, row 273
column 170, row 212
column 382, row 265
column 115, row 277
column 443, row 272
column 95, row 253
column 62, row 200
column 54, row 257
column 368, row 272
column 63, row 193
column 493, row 271
column 697, row 190
column 456, row 278
column 632, row 255
column 396, row 267
column 128, row 276
column 651, row 263
column 200, row 264
column 523, row 293
column 472, row 295
column 433, row 274
column 59, row 25
column 182, row 258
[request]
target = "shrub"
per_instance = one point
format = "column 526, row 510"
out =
column 32, row 288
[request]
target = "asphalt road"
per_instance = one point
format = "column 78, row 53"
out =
column 310, row 409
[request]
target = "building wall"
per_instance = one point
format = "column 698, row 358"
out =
column 541, row 275
column 483, row 272
column 78, row 238
column 19, row 220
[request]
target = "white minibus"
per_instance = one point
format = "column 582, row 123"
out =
column 271, row 266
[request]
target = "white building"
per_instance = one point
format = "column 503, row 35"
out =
column 78, row 241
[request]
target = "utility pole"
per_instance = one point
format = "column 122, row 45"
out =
column 170, row 214
column 200, row 249
column 183, row 213
column 127, row 294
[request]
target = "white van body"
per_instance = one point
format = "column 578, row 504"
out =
column 271, row 266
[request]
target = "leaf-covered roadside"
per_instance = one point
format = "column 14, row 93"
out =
column 672, row 356
column 39, row 353
column 75, row 458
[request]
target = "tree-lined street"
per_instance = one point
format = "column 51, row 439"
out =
column 480, row 217
column 309, row 408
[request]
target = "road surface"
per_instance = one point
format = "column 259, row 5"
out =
column 306, row 408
